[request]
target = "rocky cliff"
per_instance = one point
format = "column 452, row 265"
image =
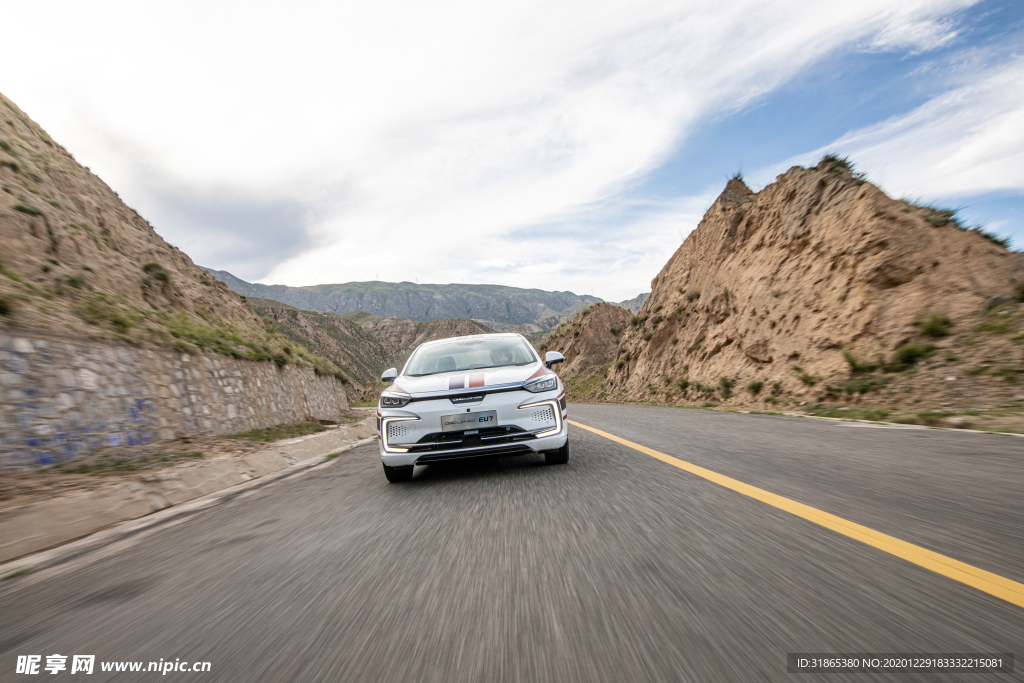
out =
column 819, row 288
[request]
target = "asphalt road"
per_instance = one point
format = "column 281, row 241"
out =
column 615, row 567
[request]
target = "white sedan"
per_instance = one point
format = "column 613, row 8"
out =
column 468, row 397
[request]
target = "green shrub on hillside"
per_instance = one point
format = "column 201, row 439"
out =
column 156, row 271
column 638, row 320
column 935, row 325
column 838, row 166
column 909, row 354
column 863, row 385
column 27, row 209
column 101, row 309
column 805, row 376
column 856, row 367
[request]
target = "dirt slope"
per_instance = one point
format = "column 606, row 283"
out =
column 362, row 355
column 590, row 344
column 77, row 260
column 366, row 350
column 411, row 334
column 820, row 288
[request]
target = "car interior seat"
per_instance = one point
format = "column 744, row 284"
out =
column 445, row 364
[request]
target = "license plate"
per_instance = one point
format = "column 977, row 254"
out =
column 458, row 423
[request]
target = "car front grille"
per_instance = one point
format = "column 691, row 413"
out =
column 489, row 436
column 496, row 451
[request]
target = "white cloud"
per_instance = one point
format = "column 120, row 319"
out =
column 423, row 139
column 965, row 142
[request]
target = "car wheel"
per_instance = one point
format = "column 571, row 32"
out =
column 559, row 457
column 397, row 474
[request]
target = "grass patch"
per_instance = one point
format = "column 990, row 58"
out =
column 101, row 310
column 725, row 385
column 936, row 325
column 27, row 209
column 853, row 414
column 156, row 272
column 864, row 385
column 693, row 295
column 279, row 432
column 804, row 376
column 997, row 324
column 841, row 166
column 755, row 387
column 909, row 354
column 937, row 217
column 14, row 575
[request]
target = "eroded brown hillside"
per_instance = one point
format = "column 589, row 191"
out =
column 820, row 288
column 364, row 349
column 411, row 334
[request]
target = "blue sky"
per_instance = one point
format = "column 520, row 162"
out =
column 568, row 145
column 852, row 90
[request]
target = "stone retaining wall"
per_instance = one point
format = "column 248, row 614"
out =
column 63, row 397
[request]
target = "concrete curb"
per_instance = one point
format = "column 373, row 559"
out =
column 46, row 524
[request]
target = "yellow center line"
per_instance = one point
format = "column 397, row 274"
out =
column 993, row 584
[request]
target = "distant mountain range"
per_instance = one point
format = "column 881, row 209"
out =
column 503, row 306
column 635, row 303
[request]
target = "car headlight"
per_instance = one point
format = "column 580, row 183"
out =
column 394, row 400
column 545, row 383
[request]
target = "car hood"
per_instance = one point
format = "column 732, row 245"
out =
column 468, row 380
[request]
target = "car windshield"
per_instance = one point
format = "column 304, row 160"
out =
column 469, row 354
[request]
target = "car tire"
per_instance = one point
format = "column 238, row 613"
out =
column 398, row 474
column 559, row 457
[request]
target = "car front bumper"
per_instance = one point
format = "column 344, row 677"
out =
column 525, row 423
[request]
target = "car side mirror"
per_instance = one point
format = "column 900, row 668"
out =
column 390, row 375
column 552, row 357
